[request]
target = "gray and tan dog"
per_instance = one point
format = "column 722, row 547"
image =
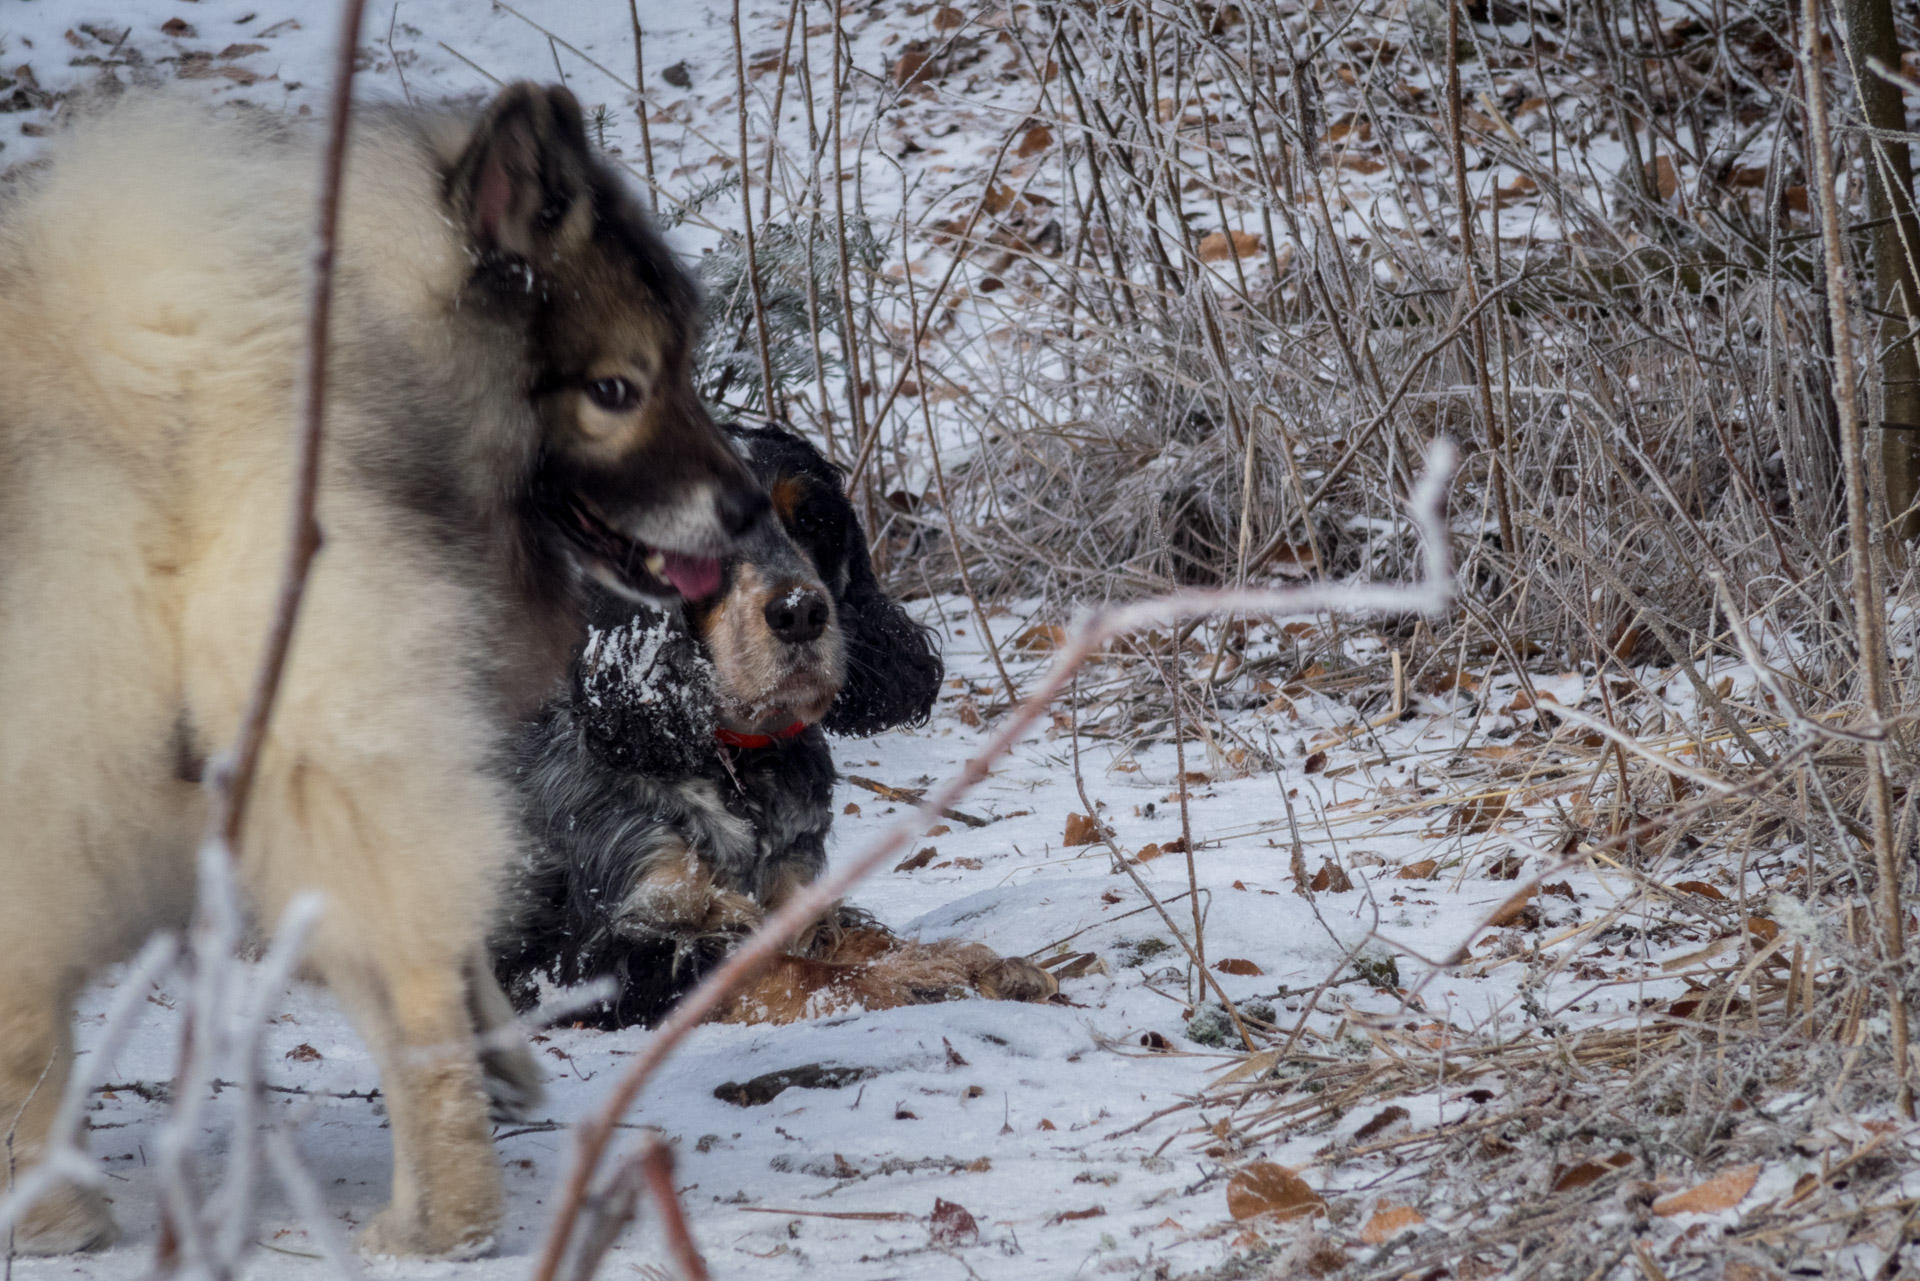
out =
column 510, row 411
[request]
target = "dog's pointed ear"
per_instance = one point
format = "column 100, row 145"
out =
column 523, row 170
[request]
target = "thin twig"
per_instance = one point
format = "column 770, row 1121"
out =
column 767, row 389
column 1869, row 617
column 232, row 778
column 640, row 105
column 657, row 1162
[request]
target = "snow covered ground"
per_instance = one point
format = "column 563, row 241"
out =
column 1031, row 1117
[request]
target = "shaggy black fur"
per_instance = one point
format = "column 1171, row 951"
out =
column 627, row 772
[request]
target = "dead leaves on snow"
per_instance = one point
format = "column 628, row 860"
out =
column 1264, row 1188
column 1722, row 1192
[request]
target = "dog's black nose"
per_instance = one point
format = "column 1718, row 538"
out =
column 738, row 509
column 797, row 615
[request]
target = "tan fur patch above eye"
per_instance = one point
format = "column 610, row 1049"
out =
column 787, row 492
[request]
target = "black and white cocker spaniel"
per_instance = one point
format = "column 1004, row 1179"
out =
column 685, row 786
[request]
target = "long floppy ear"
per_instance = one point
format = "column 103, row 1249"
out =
column 524, row 169
column 643, row 692
column 893, row 670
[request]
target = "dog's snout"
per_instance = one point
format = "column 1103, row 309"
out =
column 739, row 509
column 798, row 615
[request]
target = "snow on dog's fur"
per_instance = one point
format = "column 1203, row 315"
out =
column 509, row 410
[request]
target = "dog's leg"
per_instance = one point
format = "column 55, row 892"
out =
column 36, row 1055
column 513, row 1077
column 404, row 851
column 96, row 830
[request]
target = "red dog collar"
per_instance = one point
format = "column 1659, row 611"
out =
column 734, row 739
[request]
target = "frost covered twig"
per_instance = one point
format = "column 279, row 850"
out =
column 1869, row 615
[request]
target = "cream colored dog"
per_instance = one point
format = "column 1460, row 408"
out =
column 510, row 408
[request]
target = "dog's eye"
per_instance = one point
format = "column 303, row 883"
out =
column 612, row 394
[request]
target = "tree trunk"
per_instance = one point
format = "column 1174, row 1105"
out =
column 1896, row 251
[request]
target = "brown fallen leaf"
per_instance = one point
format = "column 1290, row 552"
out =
column 1585, row 1172
column 1390, row 1221
column 304, row 1053
column 951, row 1224
column 1512, row 910
column 178, row 28
column 852, row 810
column 1701, row 888
column 948, row 18
column 1218, row 246
column 1148, row 853
column 911, row 62
column 1238, row 965
column 1384, row 1120
column 1091, row 1212
column 1331, row 878
column 1421, row 871
column 1722, row 1192
column 1034, row 141
column 1314, row 763
column 1266, row 1188
column 1479, row 814
column 1763, row 929
column 1041, row 637
column 1081, row 830
column 915, row 862
column 1505, row 868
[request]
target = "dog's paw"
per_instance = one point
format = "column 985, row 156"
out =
column 678, row 899
column 730, row 913
column 1013, row 979
column 67, row 1220
column 396, row 1235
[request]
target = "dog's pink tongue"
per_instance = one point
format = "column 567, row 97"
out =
column 694, row 577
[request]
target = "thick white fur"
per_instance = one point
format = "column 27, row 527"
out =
column 151, row 311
